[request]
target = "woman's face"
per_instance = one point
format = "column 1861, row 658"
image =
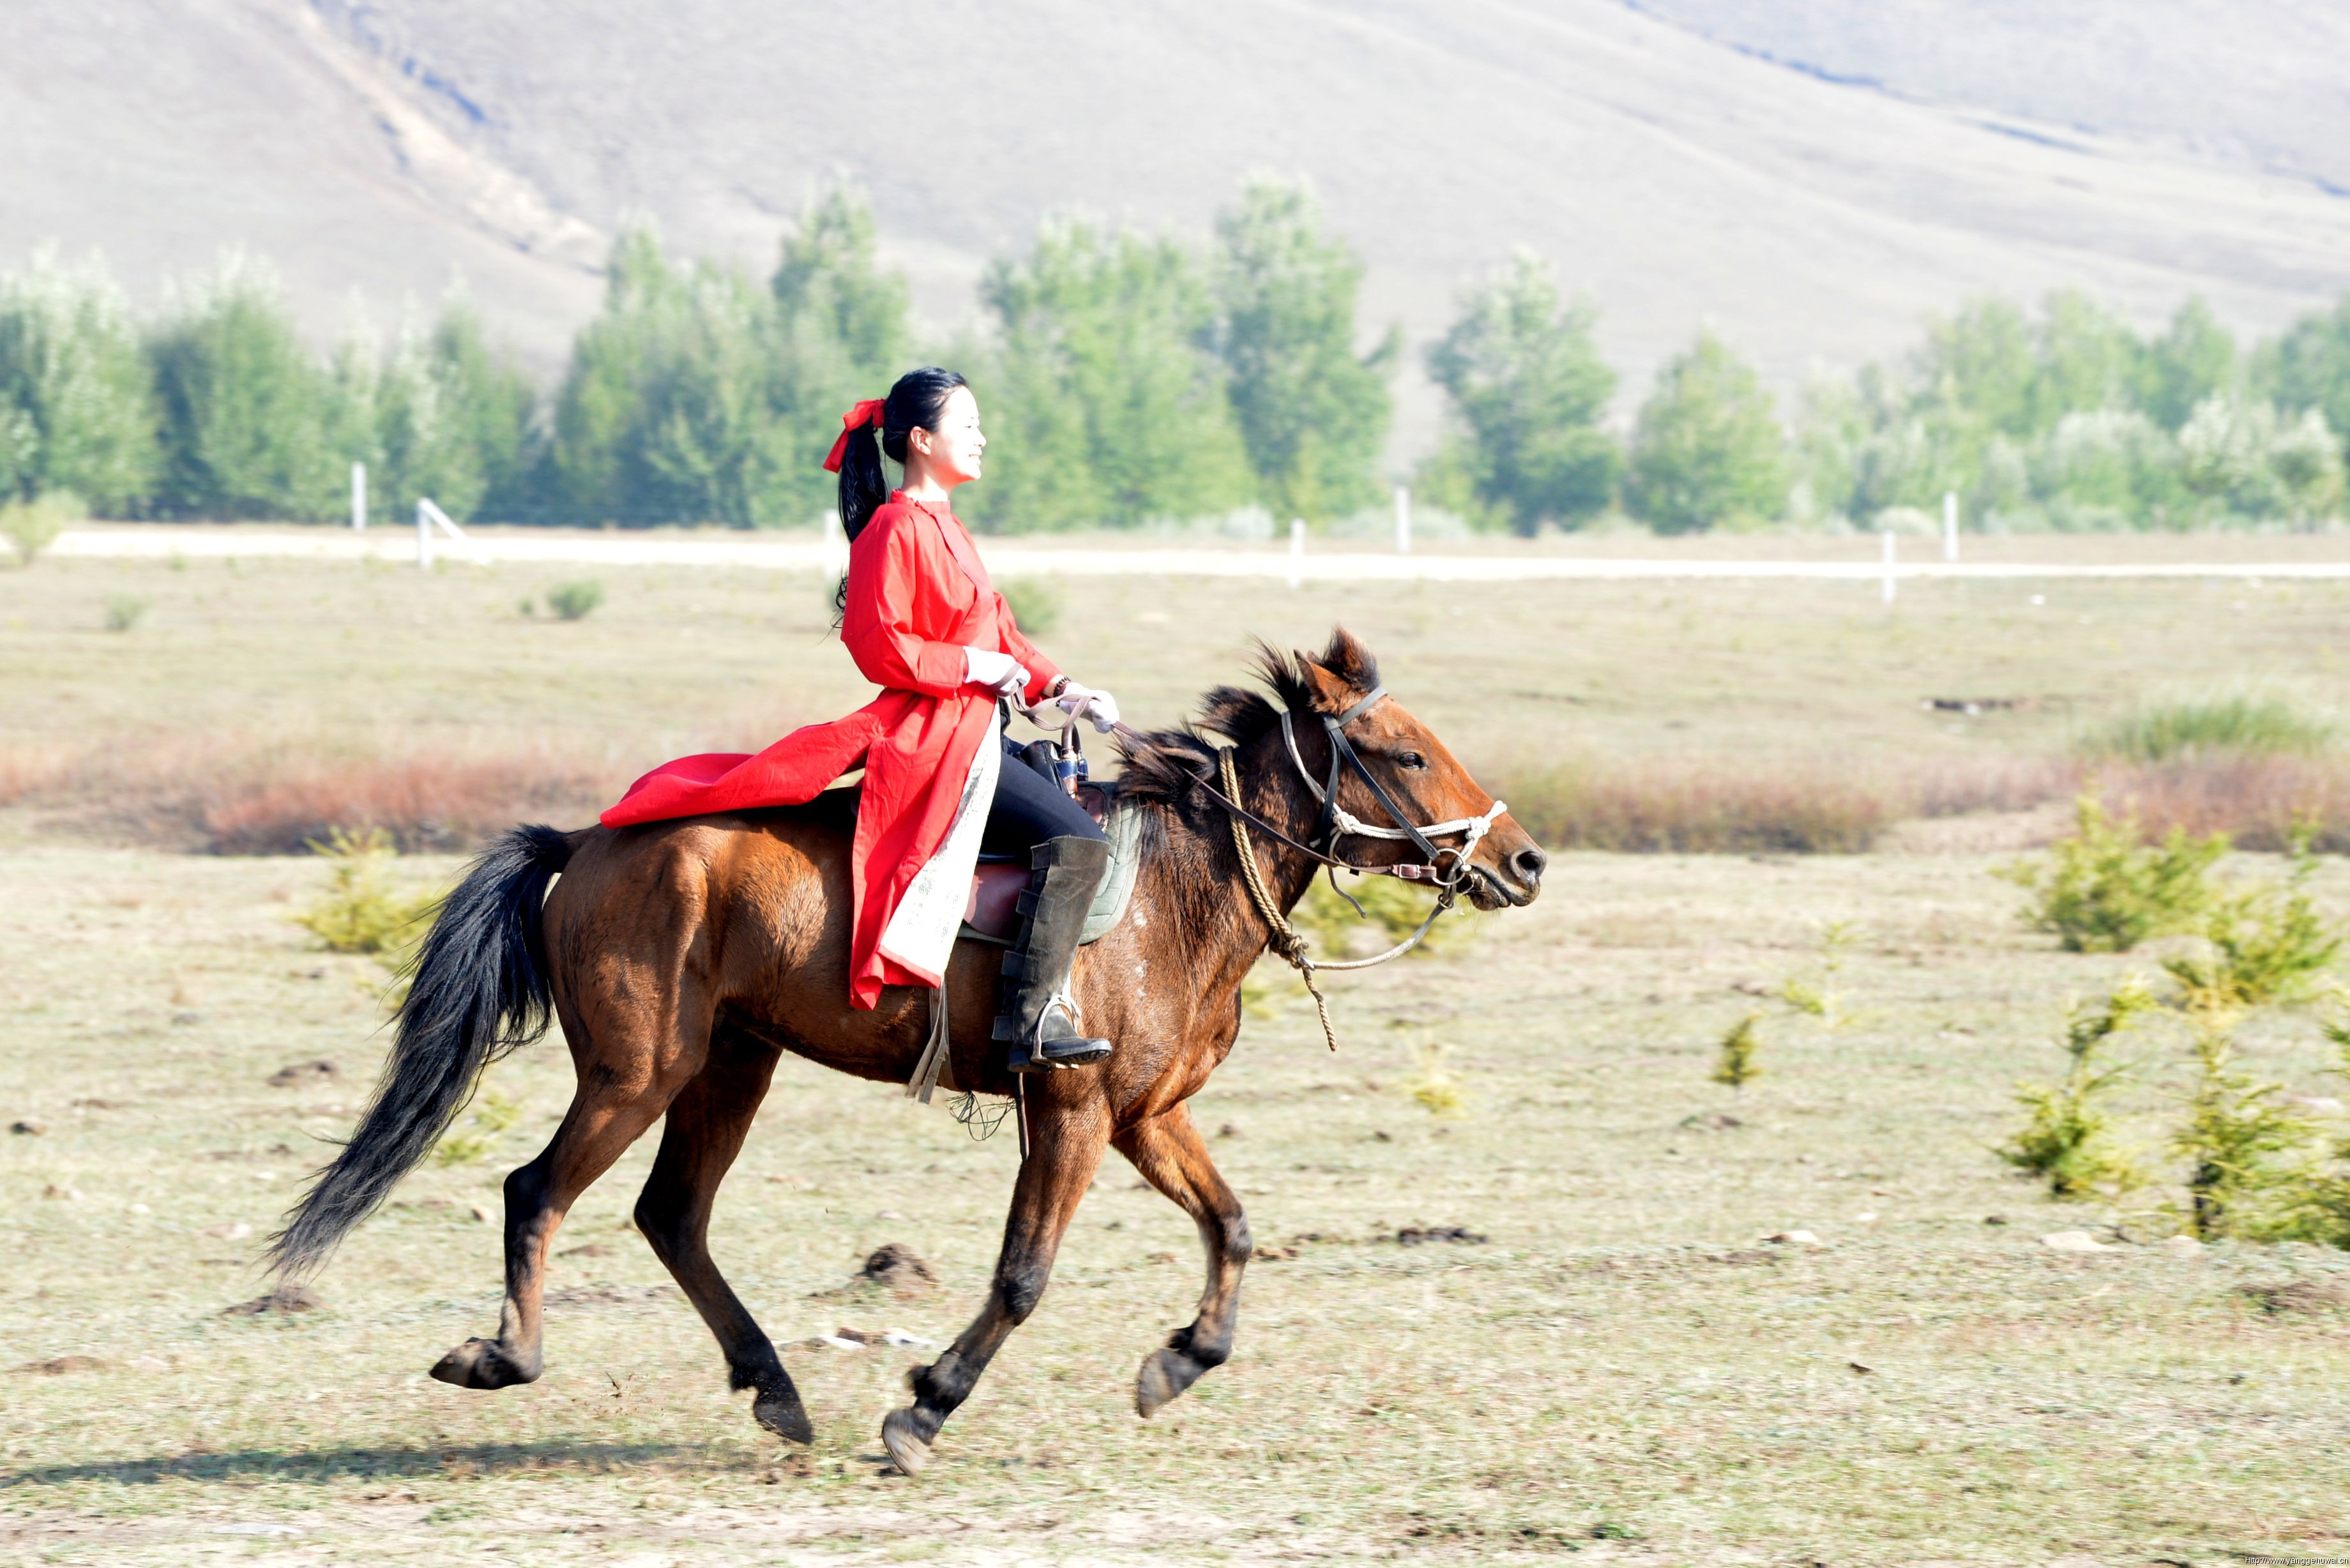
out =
column 951, row 453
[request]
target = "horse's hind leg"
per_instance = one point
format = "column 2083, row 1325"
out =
column 1064, row 1149
column 1167, row 1149
column 707, row 1123
column 627, row 1080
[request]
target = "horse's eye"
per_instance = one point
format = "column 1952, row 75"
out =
column 1412, row 760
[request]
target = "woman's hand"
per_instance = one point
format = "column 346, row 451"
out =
column 1000, row 671
column 1083, row 701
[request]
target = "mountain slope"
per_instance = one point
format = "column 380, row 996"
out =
column 1676, row 177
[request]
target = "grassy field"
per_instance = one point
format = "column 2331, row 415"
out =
column 249, row 697
column 1621, row 1367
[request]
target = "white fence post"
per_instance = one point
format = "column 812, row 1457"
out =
column 1296, row 551
column 359, row 496
column 427, row 517
column 1403, row 519
column 1888, row 565
column 1950, row 525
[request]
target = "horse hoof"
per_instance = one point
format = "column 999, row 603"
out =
column 783, row 1415
column 480, row 1363
column 906, row 1449
column 1165, row 1373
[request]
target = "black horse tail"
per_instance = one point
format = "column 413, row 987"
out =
column 477, row 990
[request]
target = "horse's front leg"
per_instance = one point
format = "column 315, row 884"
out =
column 1068, row 1127
column 1169, row 1152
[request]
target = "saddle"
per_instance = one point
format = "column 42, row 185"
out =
column 991, row 915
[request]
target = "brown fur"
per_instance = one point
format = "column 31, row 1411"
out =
column 686, row 956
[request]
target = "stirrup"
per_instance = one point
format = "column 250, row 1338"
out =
column 1059, row 1042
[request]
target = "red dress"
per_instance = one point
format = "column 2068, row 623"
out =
column 917, row 596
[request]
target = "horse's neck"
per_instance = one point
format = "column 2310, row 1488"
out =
column 1202, row 880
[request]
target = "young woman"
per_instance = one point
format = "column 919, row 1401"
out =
column 942, row 783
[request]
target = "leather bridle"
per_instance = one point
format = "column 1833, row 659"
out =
column 1442, row 865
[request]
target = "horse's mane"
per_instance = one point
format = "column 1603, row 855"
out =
column 1162, row 765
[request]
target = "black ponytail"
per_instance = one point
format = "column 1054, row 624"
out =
column 918, row 401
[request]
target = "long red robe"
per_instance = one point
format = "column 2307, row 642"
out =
column 917, row 596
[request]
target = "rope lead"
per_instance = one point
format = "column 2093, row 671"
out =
column 1286, row 940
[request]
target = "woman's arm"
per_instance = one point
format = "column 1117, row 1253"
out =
column 887, row 567
column 1043, row 673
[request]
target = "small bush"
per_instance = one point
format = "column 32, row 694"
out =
column 2067, row 1139
column 1036, row 604
column 1734, row 1063
column 1820, row 998
column 576, row 601
column 2101, row 891
column 494, row 1115
column 2240, row 723
column 2234, row 1136
column 1433, row 1088
column 358, row 912
column 124, row 611
column 1392, row 910
column 31, row 526
column 2267, row 945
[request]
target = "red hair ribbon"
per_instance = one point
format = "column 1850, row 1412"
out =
column 867, row 412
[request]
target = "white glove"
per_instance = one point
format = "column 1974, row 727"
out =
column 985, row 667
column 1083, row 701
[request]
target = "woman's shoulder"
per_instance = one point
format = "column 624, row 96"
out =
column 894, row 515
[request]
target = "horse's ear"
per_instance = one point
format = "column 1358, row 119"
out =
column 1342, row 674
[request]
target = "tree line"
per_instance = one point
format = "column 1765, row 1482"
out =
column 1128, row 377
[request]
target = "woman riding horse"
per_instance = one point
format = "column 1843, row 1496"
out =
column 942, row 785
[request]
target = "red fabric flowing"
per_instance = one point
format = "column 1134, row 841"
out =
column 867, row 412
column 917, row 596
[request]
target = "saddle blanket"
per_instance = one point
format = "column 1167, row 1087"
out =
column 991, row 914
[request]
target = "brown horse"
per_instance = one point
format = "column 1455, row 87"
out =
column 683, row 958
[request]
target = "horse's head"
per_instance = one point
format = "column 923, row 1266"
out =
column 1424, row 782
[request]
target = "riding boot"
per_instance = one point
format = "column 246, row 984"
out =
column 1039, row 1023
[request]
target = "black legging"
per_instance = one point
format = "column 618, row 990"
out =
column 1028, row 810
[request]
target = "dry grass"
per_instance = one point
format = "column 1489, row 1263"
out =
column 1624, row 1367
column 261, row 700
column 2258, row 802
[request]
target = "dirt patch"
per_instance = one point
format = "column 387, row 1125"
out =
column 2297, row 1297
column 282, row 1301
column 897, row 1268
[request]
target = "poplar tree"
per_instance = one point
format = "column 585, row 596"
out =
column 76, row 407
column 1313, row 412
column 1528, row 386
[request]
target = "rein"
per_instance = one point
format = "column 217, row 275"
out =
column 1336, row 823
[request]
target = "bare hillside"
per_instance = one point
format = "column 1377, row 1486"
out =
column 1678, row 176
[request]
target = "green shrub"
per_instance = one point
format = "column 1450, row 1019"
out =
column 2263, row 945
column 31, row 526
column 358, row 911
column 2246, row 1154
column 1392, row 908
column 1820, row 998
column 1433, row 1088
column 2067, row 1138
column 124, row 611
column 2101, row 891
column 493, row 1116
column 576, row 601
column 1036, row 604
column 1734, row 1064
column 2243, row 723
